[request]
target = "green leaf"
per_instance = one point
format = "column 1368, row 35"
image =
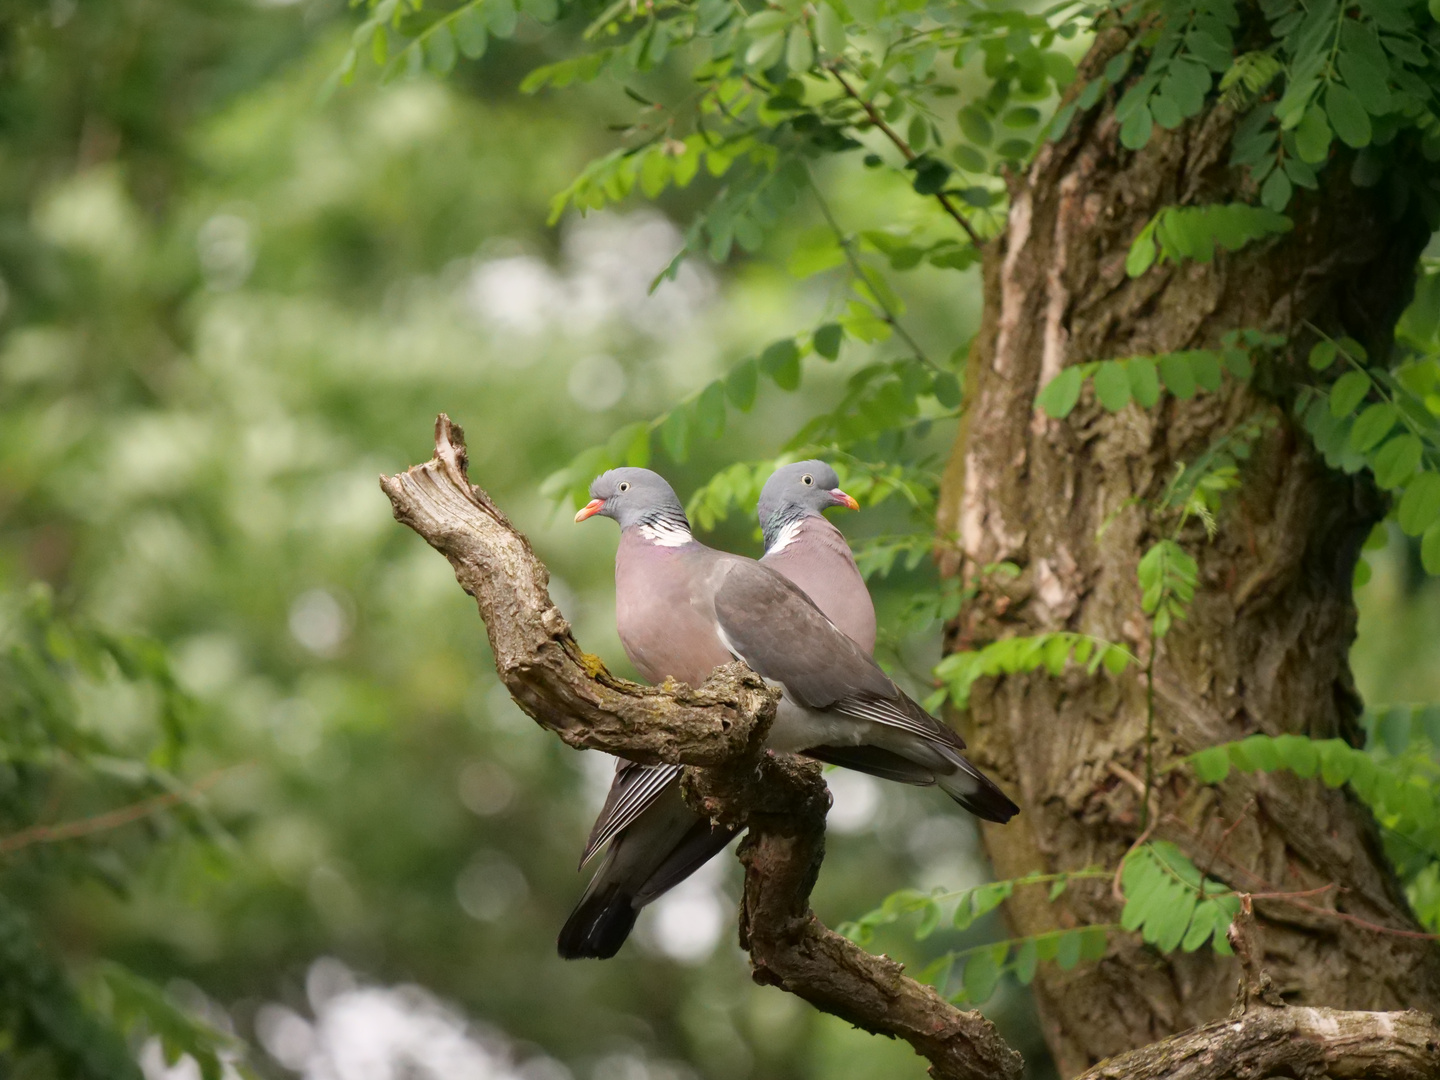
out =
column 1166, row 927
column 1255, row 752
column 1135, row 131
column 710, row 411
column 829, row 30
column 1178, row 375
column 1275, row 192
column 1211, row 764
column 1323, row 355
column 1430, row 549
column 929, row 921
column 1348, row 392
column 982, row 974
column 1206, row 366
column 1112, row 385
column 1347, row 116
column 1397, row 461
column 502, row 16
column 1067, row 953
column 1166, row 112
column 781, row 361
column 1298, row 754
column 1144, row 381
column 919, row 132
column 1337, row 760
column 1420, row 505
column 1093, row 942
column 1027, row 959
column 969, row 159
column 1202, row 925
column 976, row 125
column 440, row 49
column 1237, row 361
column 675, row 434
column 827, row 340
column 470, row 32
column 740, row 384
column 1061, row 393
column 765, row 51
column 1372, row 425
column 946, row 390
column 1312, row 137
column 799, row 53
column 1142, row 252
column 931, row 175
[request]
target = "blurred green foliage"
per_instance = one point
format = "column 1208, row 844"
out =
column 230, row 296
column 229, row 304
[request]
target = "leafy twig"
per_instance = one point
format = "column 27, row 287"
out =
column 112, row 819
column 904, row 148
column 847, row 246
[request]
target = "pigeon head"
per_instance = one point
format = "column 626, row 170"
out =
column 799, row 490
column 634, row 497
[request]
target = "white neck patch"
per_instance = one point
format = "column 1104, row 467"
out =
column 786, row 537
column 666, row 535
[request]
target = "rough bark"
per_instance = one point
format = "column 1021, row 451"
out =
column 1265, row 648
column 781, row 799
column 1263, row 1036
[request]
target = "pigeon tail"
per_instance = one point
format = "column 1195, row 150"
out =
column 976, row 792
column 599, row 925
column 874, row 761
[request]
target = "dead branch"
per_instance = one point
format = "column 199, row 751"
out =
column 781, row 799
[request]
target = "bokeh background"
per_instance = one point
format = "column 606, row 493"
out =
column 229, row 300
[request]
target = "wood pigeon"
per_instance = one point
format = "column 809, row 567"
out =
column 682, row 609
column 802, row 545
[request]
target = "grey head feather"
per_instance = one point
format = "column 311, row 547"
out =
column 634, row 496
column 796, row 491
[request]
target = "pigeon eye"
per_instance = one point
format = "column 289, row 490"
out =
column 625, row 485
column 807, row 479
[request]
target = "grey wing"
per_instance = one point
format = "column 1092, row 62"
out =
column 634, row 789
column 782, row 636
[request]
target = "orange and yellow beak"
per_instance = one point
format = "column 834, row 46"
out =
column 841, row 499
column 594, row 506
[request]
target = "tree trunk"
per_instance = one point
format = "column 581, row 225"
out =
column 1265, row 646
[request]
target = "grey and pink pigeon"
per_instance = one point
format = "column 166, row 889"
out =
column 802, row 619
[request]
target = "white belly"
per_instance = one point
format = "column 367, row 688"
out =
column 797, row 728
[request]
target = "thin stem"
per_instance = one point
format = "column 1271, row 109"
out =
column 1033, row 879
column 1149, row 726
column 113, row 819
column 1107, row 927
column 904, row 148
column 1430, row 450
column 858, row 269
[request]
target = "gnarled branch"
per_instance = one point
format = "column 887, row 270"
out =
column 782, row 800
column 1290, row 1041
